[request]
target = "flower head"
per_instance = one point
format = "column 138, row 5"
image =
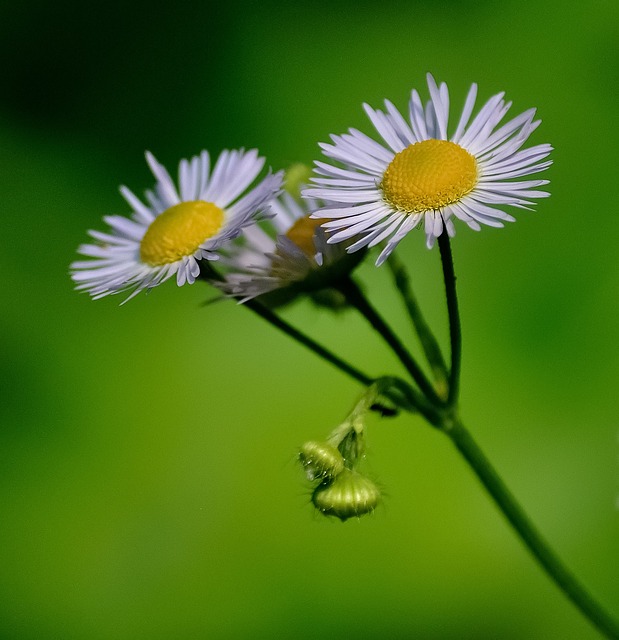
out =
column 177, row 227
column 288, row 256
column 421, row 174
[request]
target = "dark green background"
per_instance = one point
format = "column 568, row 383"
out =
column 147, row 479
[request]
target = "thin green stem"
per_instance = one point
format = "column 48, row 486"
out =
column 455, row 332
column 355, row 297
column 380, row 388
column 208, row 273
column 536, row 544
column 401, row 393
column 318, row 349
column 428, row 342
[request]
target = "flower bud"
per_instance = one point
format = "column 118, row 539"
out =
column 321, row 460
column 349, row 494
column 297, row 175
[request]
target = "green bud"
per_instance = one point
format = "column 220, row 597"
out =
column 297, row 175
column 349, row 494
column 321, row 460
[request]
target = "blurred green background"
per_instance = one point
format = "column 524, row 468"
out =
column 147, row 478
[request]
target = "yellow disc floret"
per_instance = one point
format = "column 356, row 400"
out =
column 302, row 234
column 179, row 231
column 429, row 175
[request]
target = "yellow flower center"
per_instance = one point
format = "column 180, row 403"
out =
column 429, row 175
column 179, row 231
column 302, row 234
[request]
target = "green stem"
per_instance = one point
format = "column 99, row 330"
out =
column 348, row 436
column 208, row 273
column 271, row 317
column 354, row 296
column 455, row 332
column 528, row 533
column 428, row 342
column 401, row 393
column 380, row 388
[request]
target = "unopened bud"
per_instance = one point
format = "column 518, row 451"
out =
column 297, row 175
column 349, row 494
column 321, row 460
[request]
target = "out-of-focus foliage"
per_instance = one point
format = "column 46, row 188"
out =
column 147, row 478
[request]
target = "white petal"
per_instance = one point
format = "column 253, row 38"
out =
column 469, row 104
column 441, row 109
column 385, row 128
column 164, row 181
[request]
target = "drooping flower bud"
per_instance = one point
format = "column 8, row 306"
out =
column 321, row 460
column 350, row 494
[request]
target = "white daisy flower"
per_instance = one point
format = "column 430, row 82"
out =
column 177, row 227
column 421, row 174
column 290, row 255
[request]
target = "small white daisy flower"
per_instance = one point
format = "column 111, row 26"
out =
column 421, row 174
column 290, row 253
column 178, row 227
